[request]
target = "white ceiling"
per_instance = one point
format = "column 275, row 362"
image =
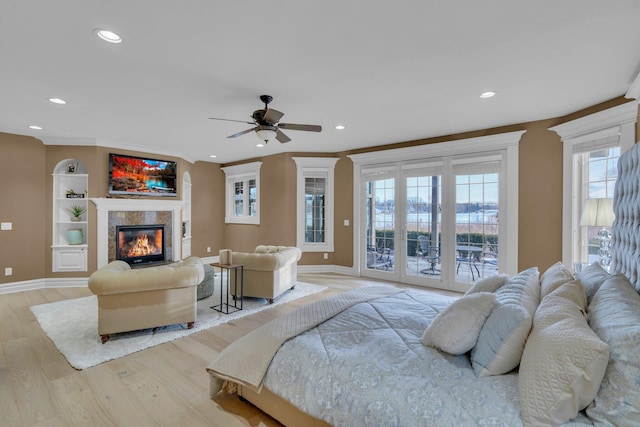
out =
column 390, row 71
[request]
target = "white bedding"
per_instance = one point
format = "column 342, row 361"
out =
column 370, row 369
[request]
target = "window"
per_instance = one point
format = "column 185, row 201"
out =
column 598, row 171
column 591, row 148
column 242, row 201
column 315, row 189
column 315, row 203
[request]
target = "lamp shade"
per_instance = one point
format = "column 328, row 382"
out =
column 597, row 213
column 266, row 133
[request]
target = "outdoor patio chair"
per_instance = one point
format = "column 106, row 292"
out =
column 429, row 253
column 490, row 255
column 468, row 254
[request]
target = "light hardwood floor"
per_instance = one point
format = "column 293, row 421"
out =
column 166, row 385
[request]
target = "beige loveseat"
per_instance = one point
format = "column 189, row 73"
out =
column 268, row 272
column 132, row 299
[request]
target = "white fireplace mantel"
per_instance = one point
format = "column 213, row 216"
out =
column 106, row 205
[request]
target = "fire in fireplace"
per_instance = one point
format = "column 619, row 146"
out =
column 140, row 244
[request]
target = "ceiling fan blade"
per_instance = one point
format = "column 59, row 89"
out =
column 281, row 137
column 309, row 128
column 235, row 135
column 230, row 120
column 272, row 116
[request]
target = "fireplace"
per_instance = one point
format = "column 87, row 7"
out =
column 140, row 244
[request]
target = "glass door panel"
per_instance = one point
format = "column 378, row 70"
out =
column 477, row 207
column 380, row 225
column 423, row 226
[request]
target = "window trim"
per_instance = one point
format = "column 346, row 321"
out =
column 506, row 145
column 578, row 136
column 313, row 167
column 241, row 173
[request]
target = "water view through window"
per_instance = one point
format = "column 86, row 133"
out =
column 474, row 217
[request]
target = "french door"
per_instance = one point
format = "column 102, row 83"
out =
column 432, row 224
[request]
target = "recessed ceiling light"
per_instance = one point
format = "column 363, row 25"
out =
column 57, row 101
column 213, row 156
column 487, row 94
column 35, row 127
column 339, row 127
column 260, row 145
column 108, row 36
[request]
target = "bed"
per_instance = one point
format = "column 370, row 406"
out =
column 538, row 348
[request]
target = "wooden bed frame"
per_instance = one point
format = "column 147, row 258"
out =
column 278, row 408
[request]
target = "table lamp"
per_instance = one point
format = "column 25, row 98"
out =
column 599, row 213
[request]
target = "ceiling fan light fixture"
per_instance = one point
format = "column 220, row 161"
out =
column 266, row 133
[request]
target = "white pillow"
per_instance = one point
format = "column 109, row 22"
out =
column 555, row 276
column 488, row 284
column 455, row 329
column 502, row 338
column 563, row 362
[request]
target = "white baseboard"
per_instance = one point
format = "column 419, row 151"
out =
column 31, row 285
column 82, row 282
column 338, row 269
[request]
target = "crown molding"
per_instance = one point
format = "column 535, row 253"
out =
column 615, row 116
column 634, row 90
column 447, row 148
column 98, row 142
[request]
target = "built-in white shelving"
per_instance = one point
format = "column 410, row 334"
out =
column 69, row 243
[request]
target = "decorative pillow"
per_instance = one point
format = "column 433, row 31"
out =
column 455, row 329
column 488, row 284
column 592, row 277
column 563, row 361
column 555, row 276
column 614, row 315
column 502, row 337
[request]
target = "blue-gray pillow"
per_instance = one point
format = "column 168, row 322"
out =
column 503, row 336
column 592, row 278
column 614, row 315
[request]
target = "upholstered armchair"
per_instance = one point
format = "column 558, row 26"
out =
column 268, row 272
column 132, row 299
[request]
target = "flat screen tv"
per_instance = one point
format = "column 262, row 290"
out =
column 142, row 176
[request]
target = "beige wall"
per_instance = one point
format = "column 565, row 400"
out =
column 23, row 194
column 27, row 200
column 207, row 208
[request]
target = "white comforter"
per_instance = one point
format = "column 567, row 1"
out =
column 367, row 367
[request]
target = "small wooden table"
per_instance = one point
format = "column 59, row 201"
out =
column 224, row 306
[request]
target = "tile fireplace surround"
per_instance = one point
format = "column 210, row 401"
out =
column 112, row 212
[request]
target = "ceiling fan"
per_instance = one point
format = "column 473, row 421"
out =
column 266, row 124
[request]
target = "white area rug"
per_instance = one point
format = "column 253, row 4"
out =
column 72, row 325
